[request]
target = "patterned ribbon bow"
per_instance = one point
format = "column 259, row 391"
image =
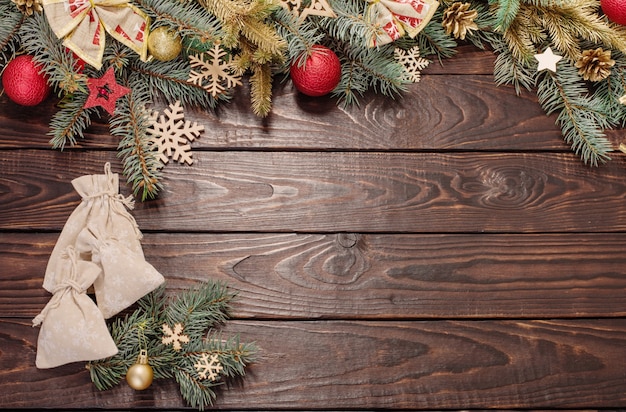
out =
column 399, row 17
column 82, row 23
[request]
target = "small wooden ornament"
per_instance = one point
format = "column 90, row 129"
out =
column 547, row 60
column 316, row 8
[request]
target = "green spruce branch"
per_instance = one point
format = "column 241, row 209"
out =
column 582, row 118
column 189, row 19
column 199, row 311
column 70, row 121
column 141, row 165
column 58, row 64
column 12, row 19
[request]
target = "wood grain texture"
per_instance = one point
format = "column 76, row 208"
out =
column 354, row 276
column 444, row 251
column 369, row 365
column 451, row 113
column 336, row 192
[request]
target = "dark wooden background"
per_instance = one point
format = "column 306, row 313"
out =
column 445, row 250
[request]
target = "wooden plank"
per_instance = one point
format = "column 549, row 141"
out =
column 368, row 365
column 354, row 276
column 336, row 192
column 463, row 112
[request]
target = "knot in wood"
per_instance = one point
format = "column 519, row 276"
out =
column 347, row 240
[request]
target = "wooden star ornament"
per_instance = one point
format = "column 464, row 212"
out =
column 105, row 91
column 547, row 60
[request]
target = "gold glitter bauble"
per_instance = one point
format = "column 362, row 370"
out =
column 140, row 375
column 164, row 44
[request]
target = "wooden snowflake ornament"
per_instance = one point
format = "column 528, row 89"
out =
column 208, row 367
column 171, row 134
column 412, row 61
column 174, row 337
column 212, row 71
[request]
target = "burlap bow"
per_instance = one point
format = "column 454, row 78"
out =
column 82, row 23
column 72, row 327
column 399, row 17
column 126, row 276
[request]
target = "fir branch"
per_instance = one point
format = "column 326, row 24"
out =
column 198, row 393
column 505, row 13
column 264, row 37
column 12, row 19
column 170, row 80
column 576, row 20
column 261, row 90
column 130, row 122
column 349, row 26
column 300, row 38
column 189, row 19
column 59, row 66
column 508, row 70
column 433, row 39
column 200, row 308
column 70, row 121
column 582, row 119
column 522, row 35
column 374, row 69
column 234, row 355
column 610, row 90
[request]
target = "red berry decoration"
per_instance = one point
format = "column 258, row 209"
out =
column 615, row 10
column 22, row 82
column 320, row 73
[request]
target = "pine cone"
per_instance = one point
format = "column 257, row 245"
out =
column 458, row 20
column 595, row 65
column 28, row 7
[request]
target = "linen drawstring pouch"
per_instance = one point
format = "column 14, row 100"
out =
column 104, row 208
column 72, row 327
column 126, row 276
column 111, row 238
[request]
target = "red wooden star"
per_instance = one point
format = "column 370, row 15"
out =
column 105, row 91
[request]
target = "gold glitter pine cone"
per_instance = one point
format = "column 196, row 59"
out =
column 595, row 65
column 28, row 7
column 458, row 20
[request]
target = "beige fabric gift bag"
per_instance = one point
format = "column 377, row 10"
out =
column 112, row 240
column 72, row 327
column 126, row 276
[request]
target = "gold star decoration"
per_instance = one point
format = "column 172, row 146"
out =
column 547, row 60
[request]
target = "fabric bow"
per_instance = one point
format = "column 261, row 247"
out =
column 395, row 18
column 72, row 327
column 82, row 23
column 126, row 276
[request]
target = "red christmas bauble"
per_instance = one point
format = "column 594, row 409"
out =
column 22, row 82
column 320, row 73
column 615, row 10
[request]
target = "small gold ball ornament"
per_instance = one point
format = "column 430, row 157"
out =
column 139, row 376
column 164, row 44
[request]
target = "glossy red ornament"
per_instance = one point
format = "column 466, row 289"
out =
column 615, row 10
column 23, row 83
column 319, row 74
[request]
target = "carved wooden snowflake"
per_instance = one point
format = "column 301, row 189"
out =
column 316, row 8
column 171, row 134
column 412, row 61
column 208, row 368
column 213, row 71
column 174, row 337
